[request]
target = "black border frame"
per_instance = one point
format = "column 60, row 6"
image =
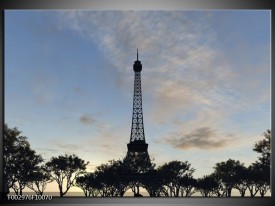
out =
column 133, row 5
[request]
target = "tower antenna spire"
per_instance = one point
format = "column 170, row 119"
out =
column 137, row 130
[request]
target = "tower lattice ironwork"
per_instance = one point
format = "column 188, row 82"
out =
column 137, row 138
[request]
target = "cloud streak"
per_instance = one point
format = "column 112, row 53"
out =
column 87, row 119
column 203, row 138
column 43, row 87
column 93, row 120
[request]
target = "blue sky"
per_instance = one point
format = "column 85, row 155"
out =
column 205, row 82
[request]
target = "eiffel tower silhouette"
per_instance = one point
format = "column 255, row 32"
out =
column 137, row 160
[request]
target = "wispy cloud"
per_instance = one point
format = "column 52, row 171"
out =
column 164, row 36
column 93, row 120
column 78, row 90
column 184, row 65
column 47, row 152
column 87, row 119
column 68, row 146
column 203, row 138
column 43, row 87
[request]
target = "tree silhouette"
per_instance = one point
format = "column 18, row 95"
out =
column 109, row 176
column 12, row 142
column 207, row 185
column 27, row 163
column 102, row 177
column 89, row 184
column 151, row 182
column 242, row 179
column 135, row 167
column 187, row 185
column 220, row 191
column 252, row 180
column 262, row 176
column 263, row 147
column 19, row 159
column 65, row 170
column 228, row 173
column 259, row 171
column 38, row 179
column 170, row 173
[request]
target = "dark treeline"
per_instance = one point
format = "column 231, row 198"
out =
column 24, row 168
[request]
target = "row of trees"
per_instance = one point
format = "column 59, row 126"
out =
column 174, row 179
column 24, row 168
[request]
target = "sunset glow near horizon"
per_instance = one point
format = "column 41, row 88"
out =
column 206, row 83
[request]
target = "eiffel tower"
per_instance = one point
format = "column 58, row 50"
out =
column 137, row 159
